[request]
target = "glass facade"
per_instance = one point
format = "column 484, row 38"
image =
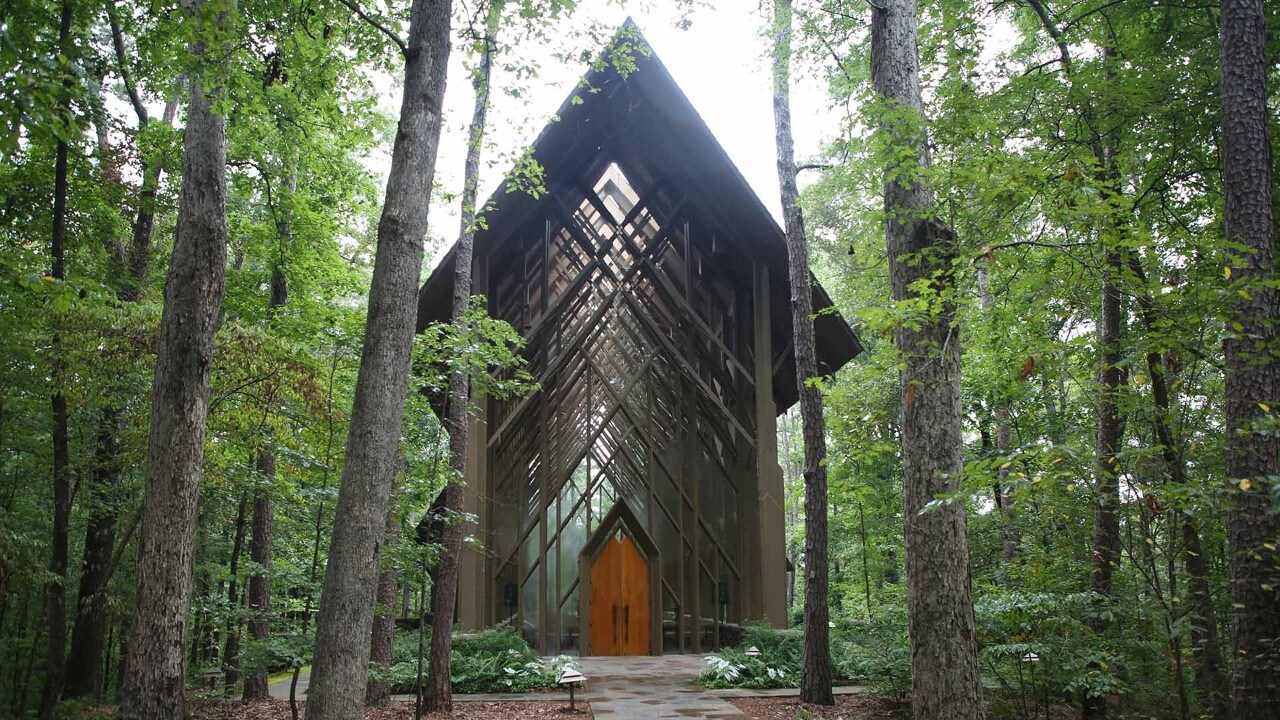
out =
column 640, row 336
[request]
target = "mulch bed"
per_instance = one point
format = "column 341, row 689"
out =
column 847, row 707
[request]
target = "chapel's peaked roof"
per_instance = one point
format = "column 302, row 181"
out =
column 646, row 124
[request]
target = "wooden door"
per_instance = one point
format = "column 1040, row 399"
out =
column 619, row 599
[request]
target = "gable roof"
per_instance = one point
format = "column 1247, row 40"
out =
column 647, row 125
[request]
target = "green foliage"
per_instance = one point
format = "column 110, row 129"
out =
column 492, row 661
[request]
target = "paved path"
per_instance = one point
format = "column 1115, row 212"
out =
column 618, row 688
column 633, row 688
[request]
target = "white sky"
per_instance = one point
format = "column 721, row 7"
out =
column 720, row 62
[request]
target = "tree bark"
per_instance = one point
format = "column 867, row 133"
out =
column 88, row 638
column 231, row 650
column 815, row 672
column 259, row 596
column 156, row 667
column 378, row 692
column 1105, row 553
column 1253, row 363
column 438, row 693
column 55, row 586
column 945, row 682
column 345, row 615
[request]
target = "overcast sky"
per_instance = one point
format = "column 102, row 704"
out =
column 720, row 62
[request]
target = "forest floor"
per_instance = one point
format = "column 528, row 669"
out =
column 279, row 710
column 847, row 707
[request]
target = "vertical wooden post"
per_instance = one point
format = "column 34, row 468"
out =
column 472, row 583
column 773, row 570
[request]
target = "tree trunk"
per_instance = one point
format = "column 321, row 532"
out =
column 88, row 638
column 1253, row 363
column 255, row 685
column 193, row 294
column 85, row 661
column 944, row 666
column 1105, row 552
column 378, row 692
column 231, row 651
column 1010, row 537
column 345, row 616
column 438, row 693
column 55, row 586
column 1205, row 652
column 259, row 597
column 815, row 673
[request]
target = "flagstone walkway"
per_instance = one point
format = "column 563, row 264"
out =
column 618, row 688
column 632, row 688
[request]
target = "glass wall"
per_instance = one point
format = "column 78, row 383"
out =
column 635, row 330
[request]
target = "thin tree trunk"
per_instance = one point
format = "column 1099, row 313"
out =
column 1010, row 537
column 231, row 650
column 1105, row 552
column 55, row 586
column 438, row 694
column 84, row 663
column 255, row 685
column 259, row 595
column 815, row 672
column 196, row 282
column 346, row 603
column 324, row 487
column 793, row 513
column 866, row 574
column 88, row 638
column 422, row 637
column 1253, row 363
column 1211, row 682
column 944, row 666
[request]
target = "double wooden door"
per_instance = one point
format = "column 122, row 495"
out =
column 619, row 599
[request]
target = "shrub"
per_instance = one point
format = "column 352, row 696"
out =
column 777, row 666
column 876, row 652
column 873, row 652
column 487, row 662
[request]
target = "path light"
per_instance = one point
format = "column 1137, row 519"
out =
column 753, row 651
column 1030, row 657
column 571, row 677
column 831, row 623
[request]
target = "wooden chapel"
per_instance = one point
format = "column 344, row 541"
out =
column 633, row 504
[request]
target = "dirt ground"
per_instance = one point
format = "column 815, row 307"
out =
column 847, row 707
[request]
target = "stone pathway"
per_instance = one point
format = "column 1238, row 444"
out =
column 618, row 688
column 633, row 688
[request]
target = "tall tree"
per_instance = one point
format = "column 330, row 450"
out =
column 156, row 665
column 55, row 586
column 259, row 591
column 345, row 617
column 945, row 682
column 1252, row 354
column 815, row 674
column 438, row 693
column 88, row 637
column 1205, row 650
column 255, row 685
